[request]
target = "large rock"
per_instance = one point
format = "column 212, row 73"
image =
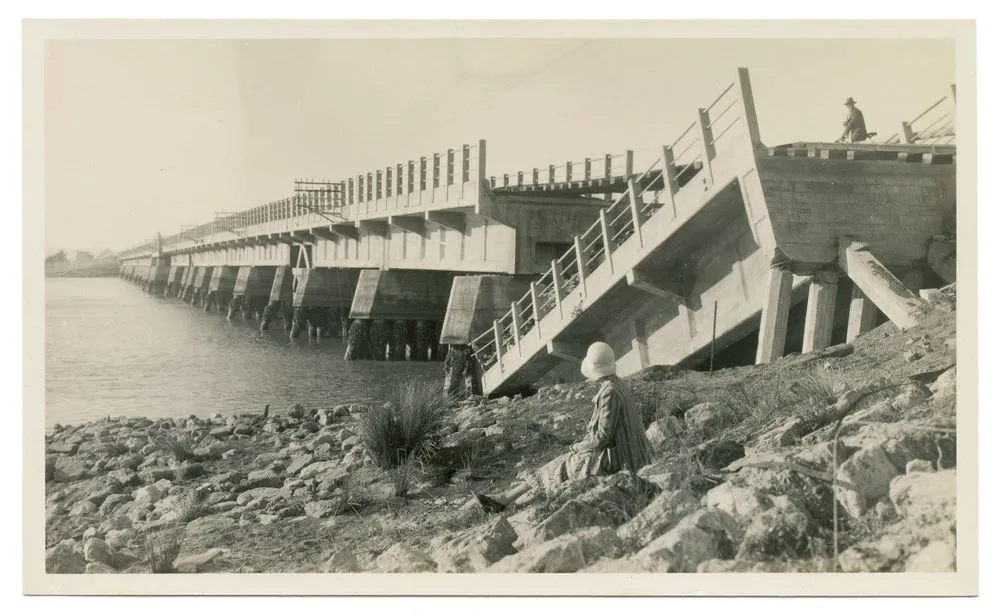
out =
column 782, row 531
column 112, row 502
column 708, row 533
column 937, row 556
column 476, row 549
column 401, row 558
column 658, row 517
column 742, row 503
column 567, row 553
column 938, row 448
column 706, row 418
column 321, row 509
column 343, row 560
column 64, row 559
column 663, row 431
column 68, row 469
column 881, row 555
column 96, row 550
column 262, row 478
column 319, row 467
column 719, row 453
column 866, row 475
column 925, row 499
column 147, row 496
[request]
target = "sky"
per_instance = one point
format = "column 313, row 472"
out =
column 143, row 136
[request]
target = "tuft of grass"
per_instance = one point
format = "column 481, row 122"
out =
column 162, row 548
column 656, row 402
column 192, row 506
column 404, row 431
column 181, row 447
column 817, row 389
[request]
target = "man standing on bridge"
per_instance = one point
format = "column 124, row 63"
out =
column 854, row 125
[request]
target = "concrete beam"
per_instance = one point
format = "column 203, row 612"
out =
column 401, row 295
column 285, row 238
column 774, row 316
column 325, row 233
column 820, row 309
column 304, row 236
column 863, row 315
column 348, row 231
column 451, row 220
column 412, row 224
column 574, row 353
column 374, row 227
column 639, row 282
column 898, row 303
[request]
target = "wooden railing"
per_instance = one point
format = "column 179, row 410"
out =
column 728, row 121
column 605, row 167
column 415, row 183
column 935, row 125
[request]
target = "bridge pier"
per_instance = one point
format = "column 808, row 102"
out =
column 251, row 292
column 403, row 310
column 156, row 281
column 820, row 308
column 474, row 303
column 280, row 299
column 220, row 288
column 174, row 278
column 202, row 278
column 322, row 296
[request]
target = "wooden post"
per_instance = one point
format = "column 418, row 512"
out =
column 606, row 238
column 774, row 316
column 557, row 287
column 628, row 163
column 633, row 200
column 533, row 289
column 907, row 133
column 497, row 343
column 704, row 133
column 745, row 95
column 515, row 325
column 582, row 272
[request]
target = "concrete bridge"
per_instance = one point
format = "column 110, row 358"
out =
column 722, row 247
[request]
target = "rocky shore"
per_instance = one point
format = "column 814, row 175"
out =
column 751, row 467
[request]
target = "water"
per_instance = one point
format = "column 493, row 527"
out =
column 113, row 350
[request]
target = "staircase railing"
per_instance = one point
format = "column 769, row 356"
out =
column 689, row 155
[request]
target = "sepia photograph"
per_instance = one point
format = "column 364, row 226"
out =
column 359, row 303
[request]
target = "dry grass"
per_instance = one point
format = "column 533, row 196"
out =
column 405, row 431
column 179, row 446
column 162, row 548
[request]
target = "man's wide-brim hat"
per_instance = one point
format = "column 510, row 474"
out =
column 599, row 362
column 849, row 101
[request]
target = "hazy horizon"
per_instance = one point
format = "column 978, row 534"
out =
column 143, row 136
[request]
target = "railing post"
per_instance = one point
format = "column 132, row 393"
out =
column 552, row 173
column 704, row 134
column 520, row 178
column 745, row 94
column 534, row 177
column 557, row 287
column 515, row 325
column 499, row 346
column 450, row 170
column 533, row 290
column 481, row 162
column 606, row 239
column 628, row 163
column 581, row 270
column 586, row 168
column 633, row 202
column 466, row 163
column 907, row 133
column 569, row 171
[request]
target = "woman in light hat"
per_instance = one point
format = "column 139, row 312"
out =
column 616, row 439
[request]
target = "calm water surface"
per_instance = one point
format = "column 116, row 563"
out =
column 112, row 350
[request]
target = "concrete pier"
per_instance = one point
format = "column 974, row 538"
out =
column 220, row 288
column 891, row 296
column 321, row 300
column 199, row 286
column 863, row 314
column 774, row 316
column 156, row 282
column 820, row 309
column 280, row 299
column 476, row 300
column 251, row 292
column 174, row 279
column 400, row 305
